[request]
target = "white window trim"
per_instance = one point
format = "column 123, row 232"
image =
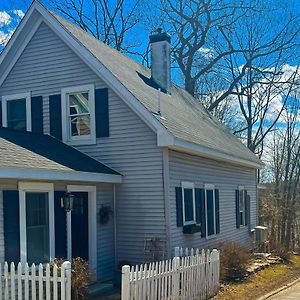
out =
column 82, row 140
column 6, row 98
column 25, row 187
column 188, row 185
column 209, row 187
column 92, row 226
column 242, row 188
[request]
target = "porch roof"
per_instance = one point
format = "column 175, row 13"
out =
column 26, row 155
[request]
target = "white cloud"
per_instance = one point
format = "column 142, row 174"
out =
column 4, row 37
column 8, row 22
column 19, row 13
column 206, row 52
column 5, row 18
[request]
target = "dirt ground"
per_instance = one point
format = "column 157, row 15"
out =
column 262, row 282
column 254, row 287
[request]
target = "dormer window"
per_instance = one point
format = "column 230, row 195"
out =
column 78, row 115
column 16, row 111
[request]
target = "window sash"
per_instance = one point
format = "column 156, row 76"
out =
column 7, row 120
column 78, row 115
column 242, row 206
column 35, row 187
column 70, row 134
column 188, row 186
column 37, row 227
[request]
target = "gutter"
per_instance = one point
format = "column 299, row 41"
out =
column 164, row 140
column 57, row 175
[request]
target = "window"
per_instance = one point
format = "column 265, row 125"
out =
column 189, row 209
column 37, row 227
column 78, row 115
column 242, row 205
column 16, row 111
column 210, row 209
column 36, row 222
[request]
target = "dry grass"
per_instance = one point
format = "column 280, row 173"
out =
column 262, row 282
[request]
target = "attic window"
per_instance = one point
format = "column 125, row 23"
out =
column 16, row 111
column 78, row 109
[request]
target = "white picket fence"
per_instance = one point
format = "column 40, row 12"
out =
column 40, row 282
column 195, row 276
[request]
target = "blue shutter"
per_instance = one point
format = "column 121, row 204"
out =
column 11, row 226
column 203, row 213
column 198, row 205
column 101, row 113
column 0, row 114
column 37, row 114
column 237, row 208
column 60, row 226
column 55, row 116
column 179, row 209
column 247, row 208
column 217, row 211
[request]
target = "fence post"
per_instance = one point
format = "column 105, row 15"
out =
column 68, row 273
column 176, row 278
column 177, row 252
column 125, row 293
column 215, row 257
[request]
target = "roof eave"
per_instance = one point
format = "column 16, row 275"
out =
column 184, row 146
column 57, row 175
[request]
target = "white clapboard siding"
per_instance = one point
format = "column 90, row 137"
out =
column 23, row 282
column 185, row 277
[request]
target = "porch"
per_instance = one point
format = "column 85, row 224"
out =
column 36, row 173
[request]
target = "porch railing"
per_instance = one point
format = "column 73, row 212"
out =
column 24, row 282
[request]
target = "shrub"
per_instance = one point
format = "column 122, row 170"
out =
column 282, row 252
column 233, row 261
column 80, row 277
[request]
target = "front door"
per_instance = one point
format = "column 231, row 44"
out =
column 80, row 226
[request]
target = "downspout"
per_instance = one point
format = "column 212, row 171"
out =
column 115, row 225
column 166, row 186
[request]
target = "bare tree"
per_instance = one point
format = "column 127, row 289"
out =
column 109, row 21
column 208, row 33
column 232, row 56
column 282, row 195
column 198, row 26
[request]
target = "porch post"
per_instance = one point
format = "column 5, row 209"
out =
column 69, row 235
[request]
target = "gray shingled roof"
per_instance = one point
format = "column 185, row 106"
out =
column 29, row 150
column 184, row 116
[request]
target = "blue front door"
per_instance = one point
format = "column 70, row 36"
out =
column 79, row 225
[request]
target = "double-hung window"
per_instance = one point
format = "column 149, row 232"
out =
column 16, row 111
column 78, row 115
column 242, row 205
column 36, row 222
column 210, row 209
column 188, row 201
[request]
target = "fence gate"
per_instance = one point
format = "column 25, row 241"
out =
column 193, row 276
column 40, row 282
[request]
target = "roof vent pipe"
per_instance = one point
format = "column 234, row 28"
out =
column 160, row 59
column 158, row 102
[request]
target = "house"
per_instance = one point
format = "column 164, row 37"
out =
column 143, row 159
